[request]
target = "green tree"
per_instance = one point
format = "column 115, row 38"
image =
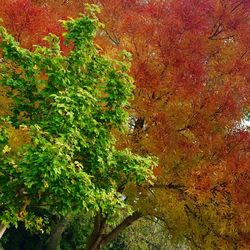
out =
column 65, row 106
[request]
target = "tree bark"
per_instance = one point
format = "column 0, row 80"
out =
column 56, row 234
column 2, row 230
column 99, row 240
column 97, row 233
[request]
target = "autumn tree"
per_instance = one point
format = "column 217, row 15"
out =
column 65, row 107
column 191, row 66
column 191, row 69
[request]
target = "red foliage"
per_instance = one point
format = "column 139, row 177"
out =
column 191, row 65
column 28, row 22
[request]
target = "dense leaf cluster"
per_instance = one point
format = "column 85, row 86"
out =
column 67, row 106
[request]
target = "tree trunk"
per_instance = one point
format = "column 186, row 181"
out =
column 94, row 242
column 98, row 239
column 2, row 230
column 56, row 234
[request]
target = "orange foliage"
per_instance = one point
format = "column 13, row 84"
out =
column 191, row 65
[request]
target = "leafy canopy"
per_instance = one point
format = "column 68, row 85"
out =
column 65, row 106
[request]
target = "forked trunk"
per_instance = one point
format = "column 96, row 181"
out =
column 98, row 239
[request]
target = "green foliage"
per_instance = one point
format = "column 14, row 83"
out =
column 68, row 104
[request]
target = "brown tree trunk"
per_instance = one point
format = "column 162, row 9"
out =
column 95, row 239
column 98, row 240
column 56, row 234
column 2, row 230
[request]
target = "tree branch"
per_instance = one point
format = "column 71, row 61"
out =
column 165, row 186
column 124, row 224
column 2, row 229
